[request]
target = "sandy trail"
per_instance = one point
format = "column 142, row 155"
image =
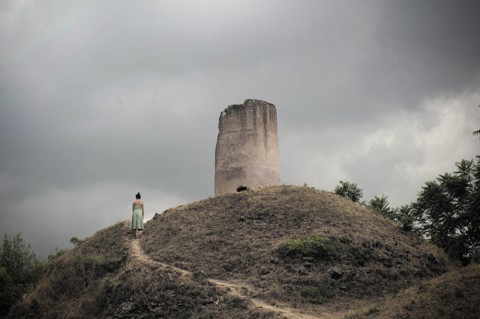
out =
column 233, row 289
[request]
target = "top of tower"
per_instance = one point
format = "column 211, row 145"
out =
column 248, row 102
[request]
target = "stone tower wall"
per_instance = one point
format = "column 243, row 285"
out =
column 247, row 147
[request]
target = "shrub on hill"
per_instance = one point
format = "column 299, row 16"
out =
column 327, row 249
column 447, row 210
column 20, row 270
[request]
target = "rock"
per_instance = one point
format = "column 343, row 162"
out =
column 229, row 267
column 336, row 273
column 242, row 188
column 263, row 271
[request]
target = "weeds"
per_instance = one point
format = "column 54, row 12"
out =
column 323, row 248
column 317, row 294
column 373, row 311
column 238, row 302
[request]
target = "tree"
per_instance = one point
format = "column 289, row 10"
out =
column 382, row 206
column 404, row 216
column 448, row 209
column 20, row 270
column 350, row 191
column 75, row 241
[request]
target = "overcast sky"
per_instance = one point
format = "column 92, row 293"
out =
column 100, row 100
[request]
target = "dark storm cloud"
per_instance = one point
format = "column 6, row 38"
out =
column 99, row 100
column 423, row 49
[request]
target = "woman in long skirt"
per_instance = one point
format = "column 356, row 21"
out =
column 138, row 209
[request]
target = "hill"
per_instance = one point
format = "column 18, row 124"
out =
column 279, row 252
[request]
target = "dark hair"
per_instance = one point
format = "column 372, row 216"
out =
column 138, row 196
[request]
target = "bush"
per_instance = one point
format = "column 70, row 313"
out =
column 57, row 253
column 317, row 294
column 323, row 248
column 20, row 270
column 350, row 191
column 406, row 223
column 9, row 292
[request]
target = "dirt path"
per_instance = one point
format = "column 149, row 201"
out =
column 237, row 290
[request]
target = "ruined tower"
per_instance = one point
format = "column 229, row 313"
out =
column 247, row 147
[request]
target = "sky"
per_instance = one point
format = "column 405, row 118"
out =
column 100, row 100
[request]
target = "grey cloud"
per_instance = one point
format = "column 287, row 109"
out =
column 108, row 96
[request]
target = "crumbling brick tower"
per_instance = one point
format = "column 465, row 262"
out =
column 247, row 147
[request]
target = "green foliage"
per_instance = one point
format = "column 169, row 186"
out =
column 406, row 223
column 57, row 253
column 324, row 248
column 350, row 191
column 20, row 260
column 382, row 206
column 60, row 251
column 404, row 216
column 310, row 246
column 75, row 240
column 448, row 209
column 20, row 270
column 9, row 292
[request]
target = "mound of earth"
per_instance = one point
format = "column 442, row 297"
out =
column 279, row 252
column 455, row 294
column 294, row 244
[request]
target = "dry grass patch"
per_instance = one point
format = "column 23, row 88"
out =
column 454, row 295
column 277, row 252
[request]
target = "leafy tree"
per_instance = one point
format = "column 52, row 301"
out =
column 382, row 206
column 404, row 216
column 350, row 191
column 9, row 292
column 20, row 270
column 448, row 209
column 75, row 241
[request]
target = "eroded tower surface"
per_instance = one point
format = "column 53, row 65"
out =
column 247, row 147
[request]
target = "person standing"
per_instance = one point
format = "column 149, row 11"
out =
column 138, row 213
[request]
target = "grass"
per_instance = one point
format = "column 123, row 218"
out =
column 297, row 236
column 317, row 294
column 324, row 248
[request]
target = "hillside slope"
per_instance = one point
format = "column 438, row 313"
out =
column 455, row 294
column 246, row 237
column 280, row 252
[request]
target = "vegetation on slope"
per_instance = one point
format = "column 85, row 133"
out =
column 20, row 270
column 249, row 236
column 454, row 295
column 280, row 252
column 103, row 278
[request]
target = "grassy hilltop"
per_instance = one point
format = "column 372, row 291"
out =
column 279, row 252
